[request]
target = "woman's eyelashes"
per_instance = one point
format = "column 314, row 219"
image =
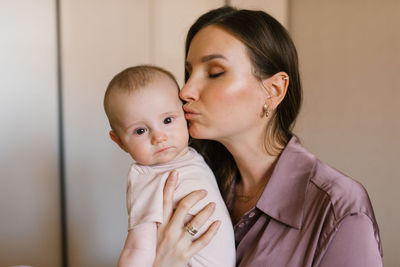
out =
column 187, row 74
column 212, row 72
column 215, row 75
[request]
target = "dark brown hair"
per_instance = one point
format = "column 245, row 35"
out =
column 271, row 50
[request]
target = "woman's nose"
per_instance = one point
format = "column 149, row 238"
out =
column 189, row 91
column 158, row 137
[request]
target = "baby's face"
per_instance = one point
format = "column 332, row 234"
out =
column 151, row 123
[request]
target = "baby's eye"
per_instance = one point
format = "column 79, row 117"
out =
column 140, row 131
column 168, row 120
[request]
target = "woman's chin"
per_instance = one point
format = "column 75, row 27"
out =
column 196, row 133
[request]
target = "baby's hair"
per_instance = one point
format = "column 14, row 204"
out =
column 133, row 79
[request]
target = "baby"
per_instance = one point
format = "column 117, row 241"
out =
column 147, row 121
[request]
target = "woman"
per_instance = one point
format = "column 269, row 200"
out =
column 242, row 95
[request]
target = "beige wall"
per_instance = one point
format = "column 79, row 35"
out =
column 350, row 63
column 29, row 199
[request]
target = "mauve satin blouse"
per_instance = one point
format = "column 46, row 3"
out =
column 308, row 215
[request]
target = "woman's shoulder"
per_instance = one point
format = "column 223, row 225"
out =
column 346, row 204
column 343, row 194
column 346, row 195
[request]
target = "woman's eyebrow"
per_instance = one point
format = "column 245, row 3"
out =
column 211, row 57
column 205, row 59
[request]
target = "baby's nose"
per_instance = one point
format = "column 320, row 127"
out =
column 158, row 137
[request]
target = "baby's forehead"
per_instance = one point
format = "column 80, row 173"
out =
column 163, row 85
column 163, row 78
column 162, row 92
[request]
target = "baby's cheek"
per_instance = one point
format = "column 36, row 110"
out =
column 141, row 154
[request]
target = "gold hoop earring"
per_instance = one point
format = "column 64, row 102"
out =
column 266, row 110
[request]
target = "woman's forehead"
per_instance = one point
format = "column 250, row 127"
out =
column 213, row 42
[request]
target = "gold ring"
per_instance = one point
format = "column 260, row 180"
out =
column 190, row 229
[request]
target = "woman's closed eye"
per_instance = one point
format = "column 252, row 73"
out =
column 187, row 74
column 215, row 75
column 215, row 70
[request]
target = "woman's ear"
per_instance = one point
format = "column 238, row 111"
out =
column 116, row 139
column 276, row 87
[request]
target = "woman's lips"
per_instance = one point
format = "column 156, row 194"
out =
column 190, row 116
column 190, row 113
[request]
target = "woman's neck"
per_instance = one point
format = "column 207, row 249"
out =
column 253, row 161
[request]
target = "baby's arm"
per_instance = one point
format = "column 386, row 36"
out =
column 140, row 246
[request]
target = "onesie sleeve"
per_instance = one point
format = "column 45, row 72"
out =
column 144, row 196
column 354, row 244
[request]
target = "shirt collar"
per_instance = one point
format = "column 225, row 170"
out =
column 284, row 196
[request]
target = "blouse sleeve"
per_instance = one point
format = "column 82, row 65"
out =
column 355, row 244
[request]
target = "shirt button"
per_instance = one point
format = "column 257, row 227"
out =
column 241, row 225
column 252, row 214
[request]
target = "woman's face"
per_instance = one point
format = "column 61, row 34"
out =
column 224, row 99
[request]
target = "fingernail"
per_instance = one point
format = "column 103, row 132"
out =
column 203, row 192
column 218, row 224
column 212, row 205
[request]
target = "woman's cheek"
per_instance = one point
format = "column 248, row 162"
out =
column 220, row 94
column 228, row 99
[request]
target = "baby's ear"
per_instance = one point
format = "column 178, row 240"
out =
column 116, row 139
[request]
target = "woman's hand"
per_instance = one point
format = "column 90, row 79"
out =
column 174, row 244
